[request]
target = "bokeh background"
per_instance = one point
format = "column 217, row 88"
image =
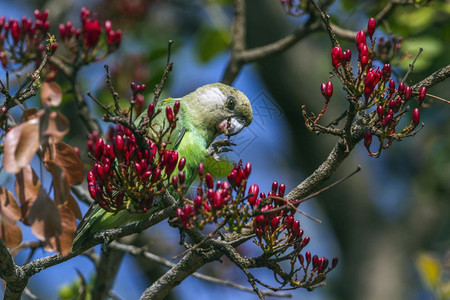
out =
column 379, row 223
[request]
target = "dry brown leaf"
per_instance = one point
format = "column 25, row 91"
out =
column 10, row 233
column 30, row 113
column 67, row 159
column 27, row 189
column 54, row 126
column 63, row 242
column 73, row 205
column 9, row 208
column 21, row 143
column 44, row 217
column 60, row 184
column 51, row 94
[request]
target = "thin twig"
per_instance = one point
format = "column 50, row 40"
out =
column 114, row 94
column 165, row 262
column 169, row 65
column 411, row 66
column 326, row 23
column 209, row 236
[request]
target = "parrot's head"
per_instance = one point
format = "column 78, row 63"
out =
column 219, row 108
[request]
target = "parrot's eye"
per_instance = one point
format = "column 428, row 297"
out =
column 230, row 103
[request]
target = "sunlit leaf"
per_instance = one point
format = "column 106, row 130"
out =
column 21, row 143
column 63, row 242
column 429, row 268
column 44, row 217
column 27, row 188
column 51, row 94
column 9, row 208
column 10, row 232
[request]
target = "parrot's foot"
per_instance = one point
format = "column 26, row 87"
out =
column 218, row 146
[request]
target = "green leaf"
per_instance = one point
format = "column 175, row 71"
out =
column 210, row 42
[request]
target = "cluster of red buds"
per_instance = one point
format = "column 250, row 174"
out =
column 294, row 8
column 270, row 217
column 21, row 40
column 127, row 175
column 89, row 37
column 375, row 88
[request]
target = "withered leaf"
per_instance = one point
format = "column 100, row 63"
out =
column 27, row 189
column 30, row 113
column 60, row 183
column 21, row 143
column 73, row 205
column 10, row 233
column 66, row 158
column 63, row 242
column 9, row 208
column 51, row 94
column 44, row 217
column 53, row 126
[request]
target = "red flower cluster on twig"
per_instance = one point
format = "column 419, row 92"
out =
column 21, row 40
column 375, row 88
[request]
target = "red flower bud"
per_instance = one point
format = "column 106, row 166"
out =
column 301, row 259
column 392, row 85
column 401, row 88
column 422, row 94
column 274, row 187
column 367, row 140
column 416, row 116
column 248, row 169
column 364, row 55
column 360, row 39
column 181, row 163
column 254, row 189
column 176, row 107
column 307, row 255
column 92, row 30
column 336, row 57
column 108, row 26
column 98, row 150
column 150, row 110
column 274, row 222
column 175, row 182
column 305, row 242
column 380, row 112
column 258, row 233
column 387, row 71
column 346, row 55
column 201, row 169
column 408, row 92
column 169, row 114
column 281, row 190
column 295, row 226
column 334, row 262
column 371, row 25
column 209, row 181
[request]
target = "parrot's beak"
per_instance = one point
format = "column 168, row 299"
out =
column 231, row 126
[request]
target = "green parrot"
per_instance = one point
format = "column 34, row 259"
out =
column 204, row 114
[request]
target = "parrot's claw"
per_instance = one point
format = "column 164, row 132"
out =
column 218, row 146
